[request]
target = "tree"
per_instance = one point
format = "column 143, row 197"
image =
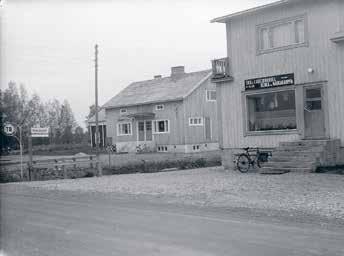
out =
column 53, row 109
column 67, row 122
column 92, row 111
column 20, row 108
column 79, row 135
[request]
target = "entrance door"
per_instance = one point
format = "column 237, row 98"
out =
column 148, row 130
column 314, row 113
column 141, row 128
column 144, row 130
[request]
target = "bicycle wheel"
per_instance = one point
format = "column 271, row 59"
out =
column 243, row 163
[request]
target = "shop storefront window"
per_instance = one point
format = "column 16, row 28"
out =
column 271, row 111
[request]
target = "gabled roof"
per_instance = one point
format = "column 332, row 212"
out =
column 226, row 18
column 101, row 117
column 158, row 90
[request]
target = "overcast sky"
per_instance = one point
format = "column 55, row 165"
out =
column 48, row 45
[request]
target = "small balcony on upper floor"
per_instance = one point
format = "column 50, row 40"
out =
column 221, row 70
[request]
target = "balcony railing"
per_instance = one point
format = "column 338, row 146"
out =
column 221, row 70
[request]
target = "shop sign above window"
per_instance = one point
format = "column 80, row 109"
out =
column 269, row 82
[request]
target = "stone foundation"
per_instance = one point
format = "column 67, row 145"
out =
column 331, row 154
column 130, row 147
column 340, row 159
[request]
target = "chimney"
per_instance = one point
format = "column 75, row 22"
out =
column 157, row 76
column 176, row 71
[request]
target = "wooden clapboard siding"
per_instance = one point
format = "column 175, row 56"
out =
column 220, row 114
column 196, row 105
column 322, row 55
column 112, row 117
column 172, row 111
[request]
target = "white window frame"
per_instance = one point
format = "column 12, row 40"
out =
column 192, row 123
column 269, row 26
column 155, row 125
column 159, row 107
column 119, row 129
column 123, row 111
column 162, row 148
column 207, row 93
column 196, row 147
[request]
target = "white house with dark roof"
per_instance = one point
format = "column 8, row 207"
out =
column 165, row 114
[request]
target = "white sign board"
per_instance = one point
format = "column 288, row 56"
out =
column 40, row 132
column 9, row 129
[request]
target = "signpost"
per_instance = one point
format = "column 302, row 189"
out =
column 10, row 130
column 36, row 132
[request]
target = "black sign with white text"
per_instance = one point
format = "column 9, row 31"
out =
column 269, row 82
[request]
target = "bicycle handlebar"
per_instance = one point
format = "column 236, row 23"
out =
column 248, row 148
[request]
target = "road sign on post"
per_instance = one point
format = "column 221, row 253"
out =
column 40, row 132
column 36, row 132
column 9, row 129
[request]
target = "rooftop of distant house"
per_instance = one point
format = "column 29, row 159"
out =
column 160, row 89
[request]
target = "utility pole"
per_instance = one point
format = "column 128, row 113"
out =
column 30, row 156
column 97, row 139
column 21, row 152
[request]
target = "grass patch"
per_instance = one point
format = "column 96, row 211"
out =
column 47, row 174
column 135, row 165
column 157, row 166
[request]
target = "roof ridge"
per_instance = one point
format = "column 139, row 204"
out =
column 161, row 89
column 165, row 77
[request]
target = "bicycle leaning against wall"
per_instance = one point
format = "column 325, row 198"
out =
column 250, row 158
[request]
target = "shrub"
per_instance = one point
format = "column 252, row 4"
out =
column 89, row 174
column 337, row 169
column 9, row 177
column 199, row 163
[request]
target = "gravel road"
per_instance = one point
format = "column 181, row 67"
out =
column 319, row 194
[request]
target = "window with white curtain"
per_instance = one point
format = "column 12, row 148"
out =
column 161, row 126
column 124, row 129
column 282, row 34
column 300, row 31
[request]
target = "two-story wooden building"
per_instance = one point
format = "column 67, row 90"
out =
column 282, row 83
column 165, row 114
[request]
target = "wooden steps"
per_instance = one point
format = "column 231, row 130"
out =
column 297, row 156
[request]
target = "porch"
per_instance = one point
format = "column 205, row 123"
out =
column 141, row 131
